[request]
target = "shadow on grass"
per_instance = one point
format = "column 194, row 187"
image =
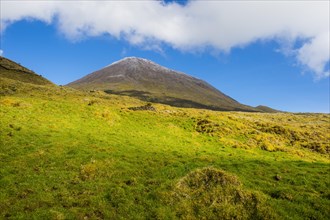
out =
column 168, row 100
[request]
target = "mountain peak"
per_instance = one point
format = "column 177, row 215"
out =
column 137, row 64
column 135, row 59
column 132, row 60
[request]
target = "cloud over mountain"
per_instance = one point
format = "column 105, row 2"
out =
column 221, row 25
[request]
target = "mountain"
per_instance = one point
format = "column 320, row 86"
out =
column 267, row 109
column 12, row 70
column 149, row 81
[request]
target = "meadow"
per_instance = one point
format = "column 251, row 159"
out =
column 66, row 154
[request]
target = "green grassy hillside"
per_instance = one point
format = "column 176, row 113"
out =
column 66, row 154
column 10, row 69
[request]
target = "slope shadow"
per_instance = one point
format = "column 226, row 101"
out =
column 168, row 100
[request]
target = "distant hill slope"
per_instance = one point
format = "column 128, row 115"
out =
column 149, row 81
column 12, row 70
column 267, row 109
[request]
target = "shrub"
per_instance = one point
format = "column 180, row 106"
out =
column 211, row 193
column 206, row 126
column 147, row 107
column 316, row 146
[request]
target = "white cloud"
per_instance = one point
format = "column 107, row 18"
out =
column 315, row 54
column 221, row 25
column 1, row 52
column 12, row 11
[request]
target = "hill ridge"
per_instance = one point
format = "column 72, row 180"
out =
column 13, row 70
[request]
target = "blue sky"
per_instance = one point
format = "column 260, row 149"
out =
column 284, row 71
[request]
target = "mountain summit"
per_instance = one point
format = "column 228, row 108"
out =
column 149, row 81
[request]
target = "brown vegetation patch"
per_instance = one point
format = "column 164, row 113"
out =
column 206, row 126
column 147, row 107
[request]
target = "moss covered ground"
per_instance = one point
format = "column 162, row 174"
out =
column 66, row 154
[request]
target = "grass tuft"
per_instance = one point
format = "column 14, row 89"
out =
column 212, row 193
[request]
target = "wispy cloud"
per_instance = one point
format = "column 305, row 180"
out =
column 221, row 25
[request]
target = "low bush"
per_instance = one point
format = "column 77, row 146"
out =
column 211, row 193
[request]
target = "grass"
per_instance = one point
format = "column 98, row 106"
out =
column 71, row 155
